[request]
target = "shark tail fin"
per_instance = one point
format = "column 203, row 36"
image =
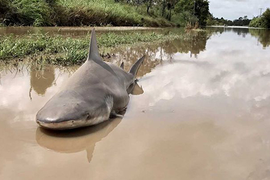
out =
column 93, row 50
column 134, row 69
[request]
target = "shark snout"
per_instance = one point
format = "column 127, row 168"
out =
column 72, row 115
column 63, row 116
column 60, row 113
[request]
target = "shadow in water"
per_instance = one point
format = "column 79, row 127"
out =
column 77, row 140
column 81, row 139
column 41, row 78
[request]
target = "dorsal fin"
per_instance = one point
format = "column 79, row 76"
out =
column 134, row 69
column 93, row 50
column 122, row 65
column 94, row 54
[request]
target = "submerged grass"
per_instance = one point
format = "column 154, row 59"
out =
column 68, row 51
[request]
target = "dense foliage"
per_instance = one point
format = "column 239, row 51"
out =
column 104, row 12
column 262, row 21
column 194, row 12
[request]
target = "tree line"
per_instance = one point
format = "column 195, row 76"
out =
column 262, row 21
column 241, row 21
column 182, row 12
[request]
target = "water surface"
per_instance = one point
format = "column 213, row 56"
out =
column 68, row 31
column 202, row 113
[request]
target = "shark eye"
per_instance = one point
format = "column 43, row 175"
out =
column 88, row 116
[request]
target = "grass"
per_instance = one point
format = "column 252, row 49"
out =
column 76, row 13
column 109, row 12
column 68, row 51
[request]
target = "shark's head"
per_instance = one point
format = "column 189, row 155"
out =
column 69, row 110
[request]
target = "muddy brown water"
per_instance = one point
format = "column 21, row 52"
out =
column 68, row 31
column 203, row 114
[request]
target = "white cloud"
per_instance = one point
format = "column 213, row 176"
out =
column 233, row 9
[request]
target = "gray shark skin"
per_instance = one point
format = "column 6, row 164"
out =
column 93, row 93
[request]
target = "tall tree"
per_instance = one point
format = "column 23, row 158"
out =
column 201, row 8
column 197, row 8
column 266, row 17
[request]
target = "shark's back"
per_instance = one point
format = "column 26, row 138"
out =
column 93, row 81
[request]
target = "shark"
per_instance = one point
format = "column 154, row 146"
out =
column 97, row 91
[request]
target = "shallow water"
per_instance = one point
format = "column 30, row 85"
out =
column 203, row 114
column 67, row 31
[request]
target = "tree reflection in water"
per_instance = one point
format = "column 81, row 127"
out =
column 41, row 78
column 156, row 53
column 263, row 35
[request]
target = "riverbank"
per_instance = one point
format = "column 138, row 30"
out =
column 59, row 49
column 76, row 13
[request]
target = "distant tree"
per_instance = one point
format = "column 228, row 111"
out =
column 266, row 17
column 184, row 5
column 170, row 6
column 163, row 7
column 148, row 5
column 256, row 22
column 262, row 21
column 241, row 21
column 197, row 8
column 201, row 11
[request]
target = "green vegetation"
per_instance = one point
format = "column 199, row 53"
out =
column 108, row 12
column 66, row 51
column 241, row 21
column 155, row 13
column 262, row 21
column 256, row 22
column 25, row 12
column 74, row 13
column 195, row 13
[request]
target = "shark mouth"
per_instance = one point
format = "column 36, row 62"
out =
column 72, row 124
column 99, row 116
